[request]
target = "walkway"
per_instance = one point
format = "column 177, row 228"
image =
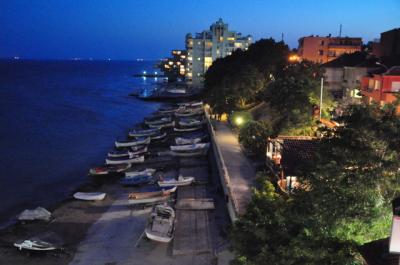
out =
column 241, row 172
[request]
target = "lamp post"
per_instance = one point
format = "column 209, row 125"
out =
column 320, row 101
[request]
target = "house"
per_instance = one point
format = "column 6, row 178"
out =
column 381, row 87
column 343, row 75
column 377, row 253
column 288, row 157
column 324, row 49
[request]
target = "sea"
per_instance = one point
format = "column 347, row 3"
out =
column 58, row 119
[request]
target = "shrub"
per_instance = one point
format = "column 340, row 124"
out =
column 253, row 136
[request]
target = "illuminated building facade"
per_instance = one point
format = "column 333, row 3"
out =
column 205, row 47
column 324, row 49
column 175, row 66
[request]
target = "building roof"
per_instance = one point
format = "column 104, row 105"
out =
column 377, row 253
column 394, row 70
column 356, row 59
column 297, row 153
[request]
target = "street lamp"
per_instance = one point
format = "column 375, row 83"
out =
column 239, row 121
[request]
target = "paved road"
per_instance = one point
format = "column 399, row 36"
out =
column 241, row 172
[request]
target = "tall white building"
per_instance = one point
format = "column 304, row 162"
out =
column 205, row 47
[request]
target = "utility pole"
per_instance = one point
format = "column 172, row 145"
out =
column 320, row 102
column 340, row 30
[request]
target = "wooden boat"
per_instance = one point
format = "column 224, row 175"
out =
column 147, row 198
column 119, row 160
column 163, row 125
column 136, row 180
column 38, row 213
column 181, row 181
column 158, row 136
column 188, row 113
column 143, row 132
column 147, row 171
column 190, row 147
column 190, row 122
column 160, row 226
column 168, row 110
column 89, row 196
column 126, row 153
column 35, row 244
column 157, row 121
column 109, row 169
column 188, row 129
column 129, row 143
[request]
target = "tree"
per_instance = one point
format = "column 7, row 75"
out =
column 344, row 200
column 293, row 97
column 234, row 81
column 253, row 136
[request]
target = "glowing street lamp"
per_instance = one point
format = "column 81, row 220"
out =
column 239, row 121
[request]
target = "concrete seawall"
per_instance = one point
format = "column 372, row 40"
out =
column 232, row 204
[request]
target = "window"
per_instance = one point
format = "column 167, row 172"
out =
column 322, row 43
column 377, row 85
column 320, row 52
column 396, row 86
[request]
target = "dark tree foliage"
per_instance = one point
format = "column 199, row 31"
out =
column 254, row 136
column 344, row 200
column 234, row 81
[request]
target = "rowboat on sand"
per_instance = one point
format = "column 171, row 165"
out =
column 160, row 226
column 89, row 196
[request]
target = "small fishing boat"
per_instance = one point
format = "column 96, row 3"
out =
column 39, row 213
column 190, row 147
column 191, row 104
column 138, row 152
column 190, row 139
column 89, row 196
column 158, row 136
column 109, row 169
column 129, row 143
column 190, row 122
column 122, row 160
column 163, row 125
column 143, row 132
column 168, row 110
column 136, row 180
column 148, row 198
column 181, row 181
column 188, row 129
column 147, row 171
column 160, row 226
column 189, row 113
column 126, row 153
column 176, row 90
column 158, row 120
column 35, row 244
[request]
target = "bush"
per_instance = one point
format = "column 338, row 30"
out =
column 253, row 136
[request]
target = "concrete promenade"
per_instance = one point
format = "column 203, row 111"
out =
column 241, row 173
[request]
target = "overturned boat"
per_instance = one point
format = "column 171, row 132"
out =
column 188, row 129
column 124, row 160
column 190, row 147
column 143, row 132
column 158, row 120
column 163, row 125
column 35, row 244
column 89, row 196
column 39, row 213
column 151, row 195
column 189, row 113
column 158, row 136
column 190, row 122
column 160, row 226
column 181, row 181
column 109, row 169
column 136, row 142
column 127, row 153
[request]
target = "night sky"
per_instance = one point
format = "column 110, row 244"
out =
column 129, row 29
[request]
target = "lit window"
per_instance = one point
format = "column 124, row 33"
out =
column 198, row 58
column 190, row 58
column 231, row 38
column 170, row 63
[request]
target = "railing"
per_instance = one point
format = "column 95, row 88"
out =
column 232, row 204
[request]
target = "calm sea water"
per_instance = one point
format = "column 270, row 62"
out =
column 57, row 119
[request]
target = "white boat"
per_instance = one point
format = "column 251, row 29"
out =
column 191, row 104
column 189, row 113
column 39, row 213
column 158, row 121
column 190, row 122
column 129, row 143
column 190, row 147
column 129, row 160
column 181, row 181
column 163, row 125
column 35, row 244
column 147, row 171
column 138, row 152
column 188, row 129
column 176, row 90
column 158, row 136
column 89, row 196
column 144, row 132
column 108, row 169
column 184, row 141
column 127, row 153
column 160, row 226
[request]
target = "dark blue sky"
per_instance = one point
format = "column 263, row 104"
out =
column 129, row 29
